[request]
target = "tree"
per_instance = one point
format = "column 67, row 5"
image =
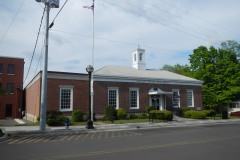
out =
column 220, row 71
column 232, row 46
column 179, row 69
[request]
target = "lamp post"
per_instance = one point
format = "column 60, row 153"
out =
column 89, row 125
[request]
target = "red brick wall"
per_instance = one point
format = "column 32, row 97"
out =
column 17, row 79
column 33, row 99
column 80, row 94
column 101, row 94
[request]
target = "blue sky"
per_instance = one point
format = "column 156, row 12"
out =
column 168, row 30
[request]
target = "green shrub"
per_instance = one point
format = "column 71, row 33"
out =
column 182, row 110
column 209, row 113
column 195, row 114
column 198, row 115
column 187, row 114
column 55, row 118
column 168, row 115
column 133, row 116
column 77, row 116
column 142, row 116
column 162, row 115
column 110, row 113
column 121, row 113
column 149, row 108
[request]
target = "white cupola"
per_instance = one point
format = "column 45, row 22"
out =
column 138, row 59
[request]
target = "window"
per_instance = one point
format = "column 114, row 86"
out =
column 10, row 88
column 141, row 57
column 190, row 102
column 1, row 68
column 11, row 69
column 66, row 98
column 113, row 97
column 235, row 104
column 176, row 99
column 134, row 98
column 135, row 57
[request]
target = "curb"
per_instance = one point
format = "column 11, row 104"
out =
column 132, row 126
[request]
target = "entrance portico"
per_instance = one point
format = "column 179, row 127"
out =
column 157, row 98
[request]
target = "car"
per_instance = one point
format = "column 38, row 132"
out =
column 235, row 113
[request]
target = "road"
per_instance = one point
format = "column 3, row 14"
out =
column 213, row 142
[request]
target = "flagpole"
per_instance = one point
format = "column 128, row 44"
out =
column 92, row 62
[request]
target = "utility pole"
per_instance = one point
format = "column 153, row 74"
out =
column 48, row 4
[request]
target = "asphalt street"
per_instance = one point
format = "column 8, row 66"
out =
column 212, row 142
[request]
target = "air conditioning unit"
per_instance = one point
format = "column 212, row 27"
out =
column 52, row 3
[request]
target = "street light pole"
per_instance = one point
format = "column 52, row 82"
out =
column 44, row 76
column 89, row 125
column 48, row 4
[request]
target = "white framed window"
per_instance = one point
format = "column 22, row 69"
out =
column 134, row 98
column 113, row 97
column 66, row 98
column 176, row 98
column 190, row 98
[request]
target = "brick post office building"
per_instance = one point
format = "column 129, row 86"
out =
column 11, row 81
column 131, row 88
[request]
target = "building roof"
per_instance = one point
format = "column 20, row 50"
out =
column 129, row 73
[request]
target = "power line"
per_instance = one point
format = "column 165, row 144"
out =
column 192, row 35
column 208, row 22
column 35, row 45
column 50, row 26
column 10, row 24
column 110, row 40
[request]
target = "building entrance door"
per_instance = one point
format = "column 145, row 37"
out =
column 8, row 110
column 158, row 101
column 155, row 102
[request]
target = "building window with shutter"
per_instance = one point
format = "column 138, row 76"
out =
column 190, row 98
column 113, row 97
column 66, row 98
column 134, row 98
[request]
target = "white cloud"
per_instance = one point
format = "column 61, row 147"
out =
column 167, row 30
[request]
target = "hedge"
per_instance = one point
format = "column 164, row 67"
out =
column 162, row 115
column 209, row 113
column 195, row 114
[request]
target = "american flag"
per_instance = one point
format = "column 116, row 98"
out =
column 89, row 7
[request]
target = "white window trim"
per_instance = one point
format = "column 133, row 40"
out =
column 134, row 89
column 60, row 95
column 117, row 96
column 190, row 90
column 177, row 90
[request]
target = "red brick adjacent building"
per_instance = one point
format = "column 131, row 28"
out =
column 11, row 85
column 131, row 88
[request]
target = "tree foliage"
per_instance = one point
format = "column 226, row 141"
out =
column 220, row 71
column 179, row 69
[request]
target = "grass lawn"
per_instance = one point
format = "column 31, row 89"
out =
column 115, row 122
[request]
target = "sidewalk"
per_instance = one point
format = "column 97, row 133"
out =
column 177, row 122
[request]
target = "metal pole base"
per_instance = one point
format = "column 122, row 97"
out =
column 89, row 124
